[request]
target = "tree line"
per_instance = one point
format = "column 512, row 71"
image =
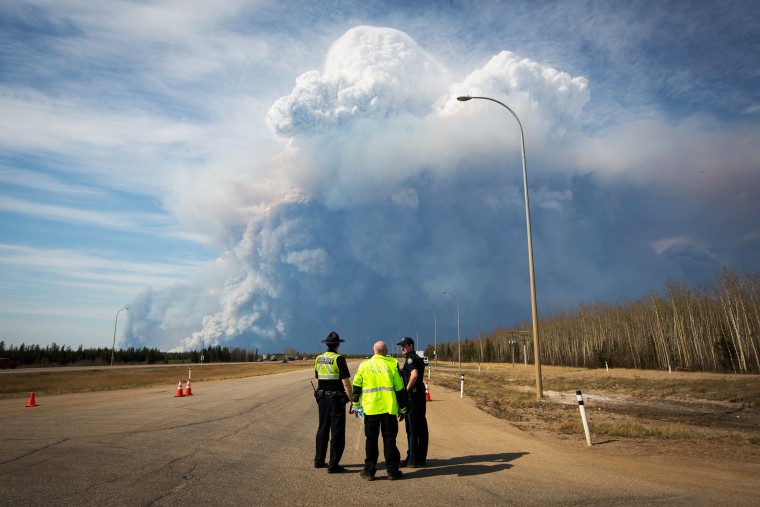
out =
column 55, row 355
column 714, row 328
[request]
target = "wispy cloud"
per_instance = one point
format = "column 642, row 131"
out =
column 34, row 180
column 72, row 265
column 130, row 221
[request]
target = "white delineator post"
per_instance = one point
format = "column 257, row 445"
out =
column 583, row 416
column 461, row 390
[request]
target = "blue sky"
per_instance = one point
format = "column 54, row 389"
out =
column 259, row 173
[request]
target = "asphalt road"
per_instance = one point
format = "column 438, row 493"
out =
column 251, row 442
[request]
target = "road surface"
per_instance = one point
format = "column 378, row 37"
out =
column 251, row 442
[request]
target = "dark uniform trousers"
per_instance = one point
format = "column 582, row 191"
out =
column 332, row 418
column 417, row 429
column 374, row 425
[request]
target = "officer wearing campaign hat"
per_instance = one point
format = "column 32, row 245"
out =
column 332, row 394
column 413, row 372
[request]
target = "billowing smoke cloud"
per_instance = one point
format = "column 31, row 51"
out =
column 370, row 73
column 388, row 193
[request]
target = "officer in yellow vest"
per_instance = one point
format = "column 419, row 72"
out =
column 333, row 392
column 380, row 395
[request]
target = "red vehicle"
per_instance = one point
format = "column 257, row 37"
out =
column 7, row 363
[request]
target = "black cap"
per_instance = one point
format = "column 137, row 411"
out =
column 332, row 339
column 406, row 341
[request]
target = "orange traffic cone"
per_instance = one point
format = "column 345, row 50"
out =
column 427, row 392
column 31, row 403
column 179, row 390
column 188, row 391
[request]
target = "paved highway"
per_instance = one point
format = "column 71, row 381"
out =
column 251, row 442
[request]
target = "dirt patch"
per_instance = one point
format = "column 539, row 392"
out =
column 721, row 416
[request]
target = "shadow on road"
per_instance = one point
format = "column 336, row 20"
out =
column 462, row 466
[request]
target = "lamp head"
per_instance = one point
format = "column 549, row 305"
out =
column 464, row 98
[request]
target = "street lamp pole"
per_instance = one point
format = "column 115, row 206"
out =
column 459, row 334
column 534, row 306
column 417, row 340
column 113, row 347
column 435, row 335
column 203, row 342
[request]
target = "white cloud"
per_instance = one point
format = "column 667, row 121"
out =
column 71, row 266
column 406, row 197
column 35, row 121
column 537, row 89
column 46, row 183
column 692, row 155
column 314, row 260
column 129, row 221
column 370, row 73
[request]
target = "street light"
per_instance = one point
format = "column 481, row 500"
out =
column 459, row 334
column 203, row 342
column 113, row 347
column 417, row 340
column 435, row 335
column 534, row 306
column 525, row 350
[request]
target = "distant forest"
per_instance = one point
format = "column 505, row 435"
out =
column 54, row 355
column 715, row 328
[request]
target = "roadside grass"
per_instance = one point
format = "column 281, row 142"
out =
column 744, row 390
column 63, row 380
column 508, row 393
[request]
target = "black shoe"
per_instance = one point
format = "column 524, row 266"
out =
column 413, row 465
column 319, row 465
column 403, row 463
column 366, row 474
column 395, row 475
column 336, row 469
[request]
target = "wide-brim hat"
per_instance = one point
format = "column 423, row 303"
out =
column 332, row 339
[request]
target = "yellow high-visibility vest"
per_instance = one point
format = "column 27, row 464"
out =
column 326, row 366
column 379, row 379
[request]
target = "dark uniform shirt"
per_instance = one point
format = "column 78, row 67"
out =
column 414, row 362
column 335, row 384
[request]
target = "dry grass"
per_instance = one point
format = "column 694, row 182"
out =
column 629, row 404
column 75, row 380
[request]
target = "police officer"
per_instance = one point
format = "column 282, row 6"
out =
column 333, row 392
column 379, row 392
column 413, row 373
